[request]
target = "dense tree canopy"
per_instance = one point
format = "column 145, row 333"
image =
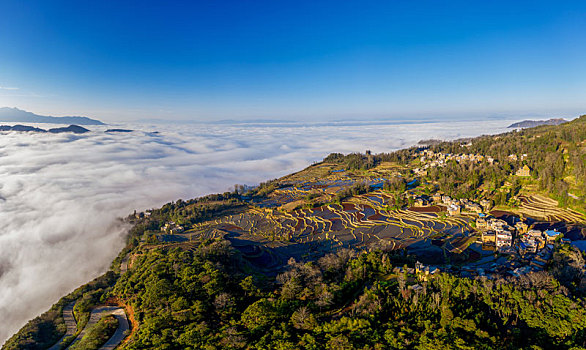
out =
column 202, row 298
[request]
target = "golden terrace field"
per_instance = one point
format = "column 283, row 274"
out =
column 284, row 225
column 311, row 212
column 538, row 206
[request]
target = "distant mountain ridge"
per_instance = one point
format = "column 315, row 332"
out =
column 534, row 123
column 16, row 115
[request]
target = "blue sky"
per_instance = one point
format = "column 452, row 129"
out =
column 210, row 60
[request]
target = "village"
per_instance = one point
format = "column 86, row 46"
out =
column 510, row 247
column 518, row 247
column 431, row 159
column 507, row 248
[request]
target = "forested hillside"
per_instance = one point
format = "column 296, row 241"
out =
column 556, row 156
column 202, row 298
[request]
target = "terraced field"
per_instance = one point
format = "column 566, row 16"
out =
column 269, row 236
column 323, row 181
column 547, row 209
column 284, row 224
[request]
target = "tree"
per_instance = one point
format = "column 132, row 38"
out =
column 303, row 319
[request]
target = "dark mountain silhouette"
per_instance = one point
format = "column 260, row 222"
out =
column 71, row 128
column 22, row 128
column 16, row 115
column 119, row 130
column 25, row 128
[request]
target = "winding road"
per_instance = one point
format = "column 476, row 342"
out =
column 121, row 331
column 69, row 322
column 96, row 315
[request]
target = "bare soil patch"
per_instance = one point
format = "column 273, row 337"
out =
column 431, row 209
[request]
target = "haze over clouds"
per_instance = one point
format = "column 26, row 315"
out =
column 61, row 195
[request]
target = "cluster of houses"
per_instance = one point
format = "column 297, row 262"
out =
column 531, row 249
column 523, row 249
column 495, row 232
column 455, row 206
column 172, row 228
column 429, row 156
column 514, row 157
column 533, row 241
column 515, row 265
column 431, row 159
column 500, row 234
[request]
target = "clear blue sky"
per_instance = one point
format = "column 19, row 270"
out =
column 206, row 60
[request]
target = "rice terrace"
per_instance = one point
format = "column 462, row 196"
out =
column 303, row 217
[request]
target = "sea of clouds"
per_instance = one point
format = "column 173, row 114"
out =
column 61, row 194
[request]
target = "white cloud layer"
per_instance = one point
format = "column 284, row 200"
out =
column 60, row 194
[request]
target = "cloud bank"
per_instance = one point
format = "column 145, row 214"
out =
column 60, row 195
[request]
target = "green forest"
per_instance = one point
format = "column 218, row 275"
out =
column 200, row 299
column 203, row 299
